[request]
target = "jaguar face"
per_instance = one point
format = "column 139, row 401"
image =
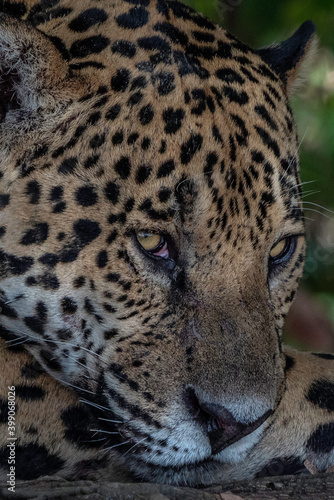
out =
column 151, row 231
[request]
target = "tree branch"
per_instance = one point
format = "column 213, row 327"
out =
column 302, row 487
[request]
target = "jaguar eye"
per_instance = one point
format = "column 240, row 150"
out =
column 153, row 243
column 278, row 249
column 282, row 250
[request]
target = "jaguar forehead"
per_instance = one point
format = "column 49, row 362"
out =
column 186, row 193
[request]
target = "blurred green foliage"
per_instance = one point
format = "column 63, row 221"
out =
column 258, row 23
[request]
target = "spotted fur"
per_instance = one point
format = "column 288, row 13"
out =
column 143, row 115
column 52, row 430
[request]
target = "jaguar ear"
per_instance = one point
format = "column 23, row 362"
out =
column 34, row 75
column 290, row 58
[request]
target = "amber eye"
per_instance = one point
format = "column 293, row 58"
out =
column 283, row 250
column 149, row 241
column 154, row 243
column 278, row 249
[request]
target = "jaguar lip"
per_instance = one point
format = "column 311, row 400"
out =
column 221, row 434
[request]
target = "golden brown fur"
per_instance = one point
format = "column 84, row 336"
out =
column 143, row 117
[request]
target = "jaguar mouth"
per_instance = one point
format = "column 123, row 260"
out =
column 218, row 423
column 223, row 434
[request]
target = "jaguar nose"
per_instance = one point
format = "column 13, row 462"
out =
column 218, row 422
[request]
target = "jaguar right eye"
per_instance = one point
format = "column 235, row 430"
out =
column 153, row 243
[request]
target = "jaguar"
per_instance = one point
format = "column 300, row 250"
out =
column 152, row 236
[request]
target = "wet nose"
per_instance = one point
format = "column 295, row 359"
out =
column 218, row 422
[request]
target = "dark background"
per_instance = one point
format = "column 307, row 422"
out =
column 310, row 323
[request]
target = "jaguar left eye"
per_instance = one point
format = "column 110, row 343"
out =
column 282, row 250
column 154, row 244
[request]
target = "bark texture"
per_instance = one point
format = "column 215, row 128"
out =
column 303, row 487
